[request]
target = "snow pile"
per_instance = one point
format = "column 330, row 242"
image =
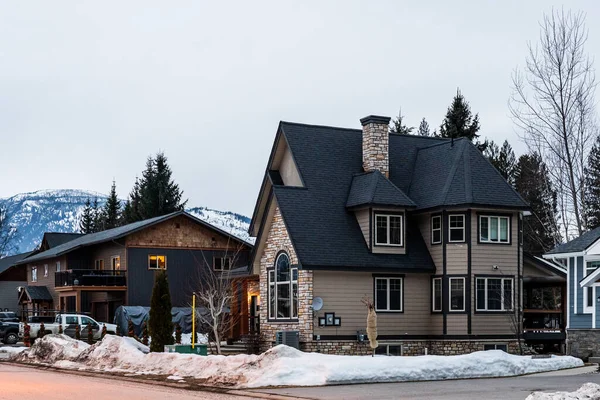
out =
column 587, row 391
column 52, row 348
column 12, row 350
column 281, row 365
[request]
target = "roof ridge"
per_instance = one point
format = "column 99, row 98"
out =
column 320, row 126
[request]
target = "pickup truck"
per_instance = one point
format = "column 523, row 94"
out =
column 68, row 322
column 9, row 332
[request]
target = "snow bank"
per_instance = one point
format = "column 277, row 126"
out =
column 12, row 350
column 52, row 348
column 587, row 391
column 282, row 365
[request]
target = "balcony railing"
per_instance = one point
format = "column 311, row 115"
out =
column 89, row 277
column 543, row 324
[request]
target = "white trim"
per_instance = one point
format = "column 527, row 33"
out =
column 388, row 290
column 587, row 309
column 568, row 308
column 591, row 278
column 564, row 255
column 574, row 283
column 551, row 264
column 433, row 294
column 595, row 304
column 441, row 229
column 489, row 229
column 464, row 234
column 450, row 279
column 502, row 299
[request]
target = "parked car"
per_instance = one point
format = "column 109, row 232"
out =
column 46, row 319
column 8, row 316
column 69, row 322
column 9, row 332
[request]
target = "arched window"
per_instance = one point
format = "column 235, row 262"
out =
column 283, row 289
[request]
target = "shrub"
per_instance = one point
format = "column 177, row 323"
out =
column 145, row 334
column 77, row 332
column 90, row 334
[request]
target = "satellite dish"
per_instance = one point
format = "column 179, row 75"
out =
column 317, row 303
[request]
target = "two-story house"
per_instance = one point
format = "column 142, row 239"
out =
column 98, row 272
column 581, row 258
column 425, row 227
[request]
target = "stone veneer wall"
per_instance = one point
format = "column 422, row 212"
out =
column 278, row 240
column 409, row 347
column 375, row 145
column 583, row 343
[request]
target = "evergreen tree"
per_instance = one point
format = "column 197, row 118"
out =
column 503, row 158
column 459, row 121
column 111, row 214
column 131, row 211
column 86, row 222
column 160, row 323
column 398, row 126
column 592, row 187
column 423, row 128
column 540, row 229
column 97, row 217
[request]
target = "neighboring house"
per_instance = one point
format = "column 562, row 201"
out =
column 425, row 227
column 581, row 258
column 11, row 279
column 98, row 272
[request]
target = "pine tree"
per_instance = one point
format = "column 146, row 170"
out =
column 86, row 222
column 592, row 187
column 503, row 158
column 540, row 229
column 423, row 128
column 459, row 121
column 160, row 323
column 148, row 191
column 131, row 211
column 398, row 126
column 97, row 217
column 111, row 214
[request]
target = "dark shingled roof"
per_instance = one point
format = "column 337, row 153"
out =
column 7, row 262
column 57, row 238
column 117, row 233
column 40, row 293
column 576, row 245
column 374, row 188
column 429, row 172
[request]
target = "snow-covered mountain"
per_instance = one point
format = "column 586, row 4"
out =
column 59, row 211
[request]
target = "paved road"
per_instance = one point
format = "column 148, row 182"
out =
column 29, row 383
column 489, row 389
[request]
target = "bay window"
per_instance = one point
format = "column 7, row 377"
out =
column 494, row 294
column 494, row 229
column 283, row 289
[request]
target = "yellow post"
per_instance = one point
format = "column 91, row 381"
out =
column 193, row 319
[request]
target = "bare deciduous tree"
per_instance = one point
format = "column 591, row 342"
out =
column 553, row 105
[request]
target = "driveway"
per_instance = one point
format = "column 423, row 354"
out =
column 496, row 388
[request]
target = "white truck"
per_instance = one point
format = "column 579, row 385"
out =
column 69, row 322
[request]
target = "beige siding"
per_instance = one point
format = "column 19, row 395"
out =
column 456, row 259
column 49, row 280
column 456, row 324
column 342, row 292
column 362, row 216
column 435, row 250
column 483, row 258
column 437, row 324
column 289, row 172
column 106, row 252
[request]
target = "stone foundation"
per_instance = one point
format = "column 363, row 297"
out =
column 409, row 347
column 583, row 343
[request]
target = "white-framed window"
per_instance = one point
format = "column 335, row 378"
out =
column 222, row 263
column 99, row 265
column 33, row 274
column 45, row 270
column 591, row 266
column 283, row 289
column 588, row 295
column 493, row 229
column 391, row 349
column 388, row 230
column 457, row 294
column 494, row 346
column 436, row 229
column 436, row 291
column 115, row 262
column 157, row 261
column 494, row 294
column 456, row 228
column 58, row 266
column 388, row 294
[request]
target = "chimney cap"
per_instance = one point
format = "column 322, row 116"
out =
column 375, row 119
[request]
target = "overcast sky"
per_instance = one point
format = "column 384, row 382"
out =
column 89, row 89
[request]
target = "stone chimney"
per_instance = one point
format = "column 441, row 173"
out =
column 375, row 141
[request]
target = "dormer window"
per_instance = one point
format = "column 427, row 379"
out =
column 388, row 230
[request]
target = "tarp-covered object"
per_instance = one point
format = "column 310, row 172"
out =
column 138, row 314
